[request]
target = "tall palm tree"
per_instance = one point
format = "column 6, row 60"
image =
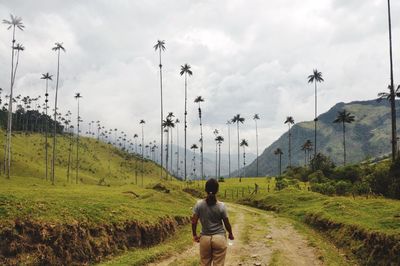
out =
column 171, row 116
column 306, row 147
column 14, row 23
column 219, row 140
column 185, row 70
column 177, row 122
column 244, row 144
column 168, row 125
column 58, row 48
column 78, row 119
column 216, row 132
column 199, row 100
column 344, row 117
column 309, row 149
column 392, row 93
column 194, row 148
column 46, row 77
column 315, row 77
column 279, row 152
column 289, row 120
column 238, row 119
column 229, row 146
column 135, row 136
column 142, row 122
column 255, row 118
column 160, row 46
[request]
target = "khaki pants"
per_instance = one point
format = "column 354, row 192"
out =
column 212, row 250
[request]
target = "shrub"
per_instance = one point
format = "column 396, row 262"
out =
column 351, row 173
column 322, row 163
column 318, row 177
column 323, row 188
column 281, row 183
column 342, row 187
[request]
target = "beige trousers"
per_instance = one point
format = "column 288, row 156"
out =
column 212, row 250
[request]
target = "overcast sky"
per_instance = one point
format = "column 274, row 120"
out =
column 247, row 57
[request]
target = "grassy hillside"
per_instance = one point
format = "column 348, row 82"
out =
column 368, row 136
column 67, row 222
column 367, row 228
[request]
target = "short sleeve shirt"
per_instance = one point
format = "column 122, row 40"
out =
column 211, row 217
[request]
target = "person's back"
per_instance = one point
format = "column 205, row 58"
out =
column 213, row 216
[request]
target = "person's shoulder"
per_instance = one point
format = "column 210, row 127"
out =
column 200, row 202
column 221, row 204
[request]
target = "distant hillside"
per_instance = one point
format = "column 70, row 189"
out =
column 368, row 136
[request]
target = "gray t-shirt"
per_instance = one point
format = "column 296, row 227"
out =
column 211, row 217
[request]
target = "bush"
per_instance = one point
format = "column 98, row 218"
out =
column 323, row 188
column 318, row 177
column 342, row 187
column 351, row 173
column 280, row 183
column 361, row 188
column 322, row 163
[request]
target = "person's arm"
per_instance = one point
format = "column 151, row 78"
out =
column 228, row 228
column 195, row 219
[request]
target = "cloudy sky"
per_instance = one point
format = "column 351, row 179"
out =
column 247, row 56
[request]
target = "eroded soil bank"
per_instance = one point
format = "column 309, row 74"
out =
column 30, row 242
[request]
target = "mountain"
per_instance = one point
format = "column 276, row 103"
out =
column 368, row 136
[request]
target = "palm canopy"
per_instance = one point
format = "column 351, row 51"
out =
column 316, row 76
column 168, row 123
column 228, row 122
column 237, row 118
column 278, row 151
column 160, row 45
column 135, row 135
column 244, row 143
column 177, row 121
column 170, row 115
column 14, row 22
column 19, row 47
column 185, row 69
column 256, row 117
column 78, row 95
column 199, row 99
column 216, row 132
column 194, row 146
column 58, row 46
column 289, row 120
column 142, row 121
column 387, row 95
column 219, row 139
column 47, row 76
column 344, row 117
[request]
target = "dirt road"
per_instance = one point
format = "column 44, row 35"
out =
column 261, row 239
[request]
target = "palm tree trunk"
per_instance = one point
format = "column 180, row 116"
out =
column 240, row 177
column 185, row 122
column 142, row 153
column 344, row 143
column 77, row 148
column 7, row 156
column 172, row 153
column 216, row 159
column 161, row 124
column 290, row 147
column 177, row 150
column 201, row 145
column 55, row 123
column 257, row 146
column 315, row 120
column 229, row 150
column 392, row 94
column 47, row 129
column 244, row 161
column 167, row 155
column 219, row 163
column 69, row 155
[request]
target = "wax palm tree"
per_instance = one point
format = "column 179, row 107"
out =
column 185, row 70
column 78, row 119
column 168, row 124
column 309, row 149
column 142, row 122
column 306, row 147
column 14, row 23
column 289, row 120
column 216, row 132
column 160, row 46
column 57, row 48
column 135, row 136
column 344, row 117
column 199, row 100
column 171, row 116
column 391, row 87
column 279, row 152
column 244, row 144
column 387, row 95
column 315, row 77
column 194, row 147
column 46, row 77
column 255, row 118
column 219, row 139
column 238, row 119
column 229, row 147
column 177, row 122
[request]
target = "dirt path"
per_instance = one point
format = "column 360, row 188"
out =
column 261, row 239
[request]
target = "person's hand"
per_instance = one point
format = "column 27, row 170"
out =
column 231, row 237
column 196, row 238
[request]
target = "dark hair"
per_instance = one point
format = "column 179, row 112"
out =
column 211, row 189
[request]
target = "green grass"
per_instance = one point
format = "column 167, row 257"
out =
column 378, row 214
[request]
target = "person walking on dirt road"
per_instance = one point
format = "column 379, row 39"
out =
column 213, row 216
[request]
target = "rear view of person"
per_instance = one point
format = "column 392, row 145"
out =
column 213, row 216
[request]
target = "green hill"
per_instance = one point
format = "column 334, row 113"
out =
column 368, row 136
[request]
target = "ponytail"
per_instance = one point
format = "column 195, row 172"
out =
column 212, row 187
